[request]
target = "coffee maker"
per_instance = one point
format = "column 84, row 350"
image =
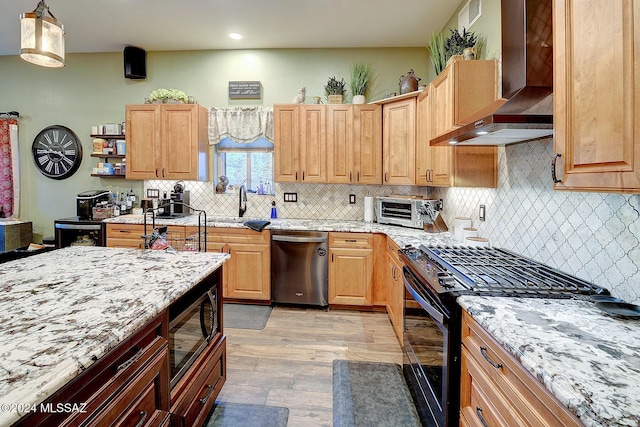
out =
column 180, row 202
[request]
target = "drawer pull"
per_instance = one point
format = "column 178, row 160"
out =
column 131, row 361
column 351, row 240
column 480, row 417
column 496, row 365
column 124, row 231
column 143, row 418
column 204, row 399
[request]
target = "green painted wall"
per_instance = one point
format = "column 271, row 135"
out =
column 91, row 90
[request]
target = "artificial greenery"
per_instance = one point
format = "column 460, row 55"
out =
column 335, row 87
column 456, row 43
column 361, row 77
column 436, row 50
column 164, row 94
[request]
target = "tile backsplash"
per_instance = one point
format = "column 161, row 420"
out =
column 595, row 236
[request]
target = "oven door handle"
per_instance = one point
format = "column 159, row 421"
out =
column 436, row 314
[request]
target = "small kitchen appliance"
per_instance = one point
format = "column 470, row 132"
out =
column 400, row 210
column 181, row 202
column 87, row 200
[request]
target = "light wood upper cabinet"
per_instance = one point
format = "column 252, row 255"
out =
column 399, row 141
column 462, row 89
column 596, row 95
column 300, row 143
column 354, row 144
column 447, row 166
column 167, row 141
column 434, row 165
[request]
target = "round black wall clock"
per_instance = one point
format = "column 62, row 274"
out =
column 57, row 152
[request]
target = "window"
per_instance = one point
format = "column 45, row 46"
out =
column 249, row 164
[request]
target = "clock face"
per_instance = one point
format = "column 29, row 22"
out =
column 57, row 152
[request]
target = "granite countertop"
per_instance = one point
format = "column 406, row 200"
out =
column 55, row 322
column 589, row 360
column 400, row 235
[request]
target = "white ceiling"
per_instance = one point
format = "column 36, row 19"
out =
column 154, row 25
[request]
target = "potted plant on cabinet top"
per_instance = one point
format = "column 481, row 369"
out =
column 361, row 78
column 437, row 53
column 164, row 96
column 458, row 46
column 334, row 90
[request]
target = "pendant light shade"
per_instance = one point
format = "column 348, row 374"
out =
column 42, row 37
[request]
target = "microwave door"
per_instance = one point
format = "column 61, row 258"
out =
column 208, row 316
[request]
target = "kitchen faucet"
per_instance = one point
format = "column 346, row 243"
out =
column 242, row 200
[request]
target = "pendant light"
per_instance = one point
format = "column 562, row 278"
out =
column 42, row 37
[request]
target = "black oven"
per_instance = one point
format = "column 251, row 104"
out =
column 435, row 277
column 75, row 231
column 431, row 346
column 195, row 321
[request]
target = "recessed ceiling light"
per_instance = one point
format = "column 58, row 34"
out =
column 235, row 36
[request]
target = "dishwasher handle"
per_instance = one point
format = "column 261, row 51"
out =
column 298, row 239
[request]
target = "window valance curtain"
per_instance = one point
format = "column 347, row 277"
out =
column 242, row 125
column 9, row 162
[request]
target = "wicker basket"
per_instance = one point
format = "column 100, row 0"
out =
column 334, row 99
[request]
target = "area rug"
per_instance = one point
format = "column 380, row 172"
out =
column 245, row 316
column 239, row 414
column 371, row 394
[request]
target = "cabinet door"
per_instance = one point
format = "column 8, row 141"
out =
column 434, row 165
column 395, row 297
column 441, row 97
column 350, row 276
column 367, row 144
column 596, row 101
column 399, row 140
column 286, row 119
column 340, row 144
column 247, row 275
column 313, row 143
column 143, row 141
column 180, row 141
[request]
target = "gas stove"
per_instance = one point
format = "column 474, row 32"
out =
column 454, row 271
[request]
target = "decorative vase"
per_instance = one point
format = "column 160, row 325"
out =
column 408, row 82
column 358, row 99
column 469, row 53
column 334, row 99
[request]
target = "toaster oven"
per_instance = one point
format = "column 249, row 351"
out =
column 400, row 210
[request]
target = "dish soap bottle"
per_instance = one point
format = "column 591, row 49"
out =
column 274, row 212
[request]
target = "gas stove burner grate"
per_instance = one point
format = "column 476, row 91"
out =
column 497, row 271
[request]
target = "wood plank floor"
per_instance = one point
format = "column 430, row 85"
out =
column 289, row 362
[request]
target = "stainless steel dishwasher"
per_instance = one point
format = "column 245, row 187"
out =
column 299, row 267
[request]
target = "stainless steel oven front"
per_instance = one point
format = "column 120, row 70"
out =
column 195, row 321
column 431, row 345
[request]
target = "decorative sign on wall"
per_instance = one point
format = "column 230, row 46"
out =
column 244, row 90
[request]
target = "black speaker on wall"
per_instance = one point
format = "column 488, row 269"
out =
column 135, row 63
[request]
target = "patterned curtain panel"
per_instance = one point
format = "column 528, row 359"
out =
column 242, row 125
column 9, row 161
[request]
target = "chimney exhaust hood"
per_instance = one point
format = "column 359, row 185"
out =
column 525, row 112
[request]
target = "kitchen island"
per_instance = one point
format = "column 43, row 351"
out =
column 588, row 360
column 62, row 311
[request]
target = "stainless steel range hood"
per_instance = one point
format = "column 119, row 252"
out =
column 526, row 110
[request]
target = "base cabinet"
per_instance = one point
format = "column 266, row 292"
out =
column 496, row 390
column 247, row 274
column 131, row 235
column 395, row 289
column 351, row 268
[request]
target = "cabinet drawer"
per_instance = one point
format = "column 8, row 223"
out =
column 130, row 231
column 481, row 399
column 138, row 402
column 103, row 380
column 526, row 394
column 194, row 395
column 350, row 240
column 237, row 235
